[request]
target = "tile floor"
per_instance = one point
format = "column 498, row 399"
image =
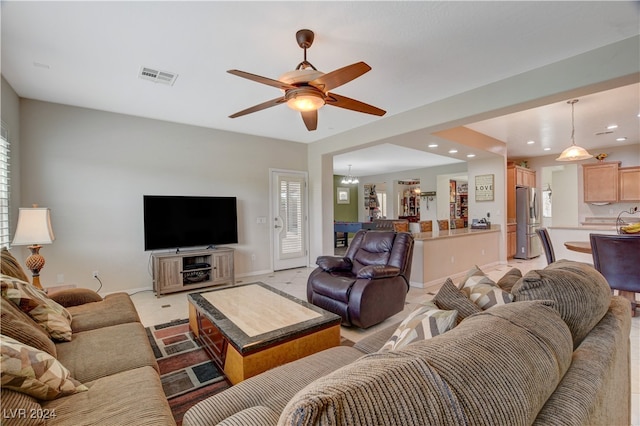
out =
column 154, row 310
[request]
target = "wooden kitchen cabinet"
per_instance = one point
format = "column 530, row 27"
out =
column 601, row 182
column 517, row 176
column 512, row 245
column 525, row 177
column 629, row 181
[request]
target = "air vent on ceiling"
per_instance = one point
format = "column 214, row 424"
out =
column 606, row 132
column 156, row 76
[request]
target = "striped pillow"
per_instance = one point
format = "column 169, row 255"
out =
column 424, row 323
column 482, row 291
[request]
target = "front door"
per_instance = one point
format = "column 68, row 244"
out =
column 289, row 219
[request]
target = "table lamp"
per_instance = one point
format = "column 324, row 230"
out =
column 34, row 229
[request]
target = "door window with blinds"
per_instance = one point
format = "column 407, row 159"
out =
column 291, row 212
column 289, row 219
column 4, row 186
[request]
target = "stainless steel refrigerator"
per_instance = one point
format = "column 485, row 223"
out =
column 528, row 220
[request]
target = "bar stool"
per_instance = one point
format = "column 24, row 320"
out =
column 426, row 226
column 443, row 225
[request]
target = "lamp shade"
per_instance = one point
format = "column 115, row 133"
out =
column 574, row 153
column 34, row 227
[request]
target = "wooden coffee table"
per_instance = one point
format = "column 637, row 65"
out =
column 251, row 328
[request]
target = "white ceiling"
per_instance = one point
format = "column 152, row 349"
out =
column 89, row 54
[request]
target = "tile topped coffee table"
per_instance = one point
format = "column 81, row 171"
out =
column 251, row 328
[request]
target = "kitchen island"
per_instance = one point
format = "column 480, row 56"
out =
column 440, row 255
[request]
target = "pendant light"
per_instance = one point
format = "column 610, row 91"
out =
column 348, row 180
column 574, row 152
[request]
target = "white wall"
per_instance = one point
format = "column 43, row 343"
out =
column 92, row 169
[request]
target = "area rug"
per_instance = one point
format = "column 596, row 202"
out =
column 188, row 375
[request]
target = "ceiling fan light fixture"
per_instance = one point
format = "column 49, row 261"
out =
column 304, row 99
column 574, row 152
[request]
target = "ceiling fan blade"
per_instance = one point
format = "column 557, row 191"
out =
column 310, row 119
column 348, row 103
column 260, row 79
column 340, row 76
column 259, row 107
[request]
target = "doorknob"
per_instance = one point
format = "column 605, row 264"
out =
column 278, row 226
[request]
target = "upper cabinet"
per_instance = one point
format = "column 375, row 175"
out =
column 525, row 177
column 601, row 182
column 517, row 176
column 609, row 183
column 629, row 181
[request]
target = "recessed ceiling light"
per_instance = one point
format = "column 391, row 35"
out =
column 547, row 149
column 470, row 155
column 453, row 151
column 433, row 145
column 612, row 126
column 621, row 139
column 530, row 142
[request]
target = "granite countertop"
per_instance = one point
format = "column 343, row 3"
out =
column 427, row 236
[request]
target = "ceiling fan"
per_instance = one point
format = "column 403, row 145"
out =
column 306, row 89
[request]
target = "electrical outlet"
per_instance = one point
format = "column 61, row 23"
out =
column 94, row 274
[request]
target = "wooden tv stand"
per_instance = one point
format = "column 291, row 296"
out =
column 192, row 269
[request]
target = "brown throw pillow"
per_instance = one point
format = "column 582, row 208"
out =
column 451, row 298
column 75, row 297
column 509, row 279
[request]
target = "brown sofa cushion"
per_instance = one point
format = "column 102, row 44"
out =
column 18, row 325
column 75, row 296
column 11, row 267
column 98, row 353
column 116, row 308
column 460, row 377
column 133, row 397
column 13, row 401
column 581, row 294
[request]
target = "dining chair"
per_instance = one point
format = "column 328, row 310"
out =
column 546, row 244
column 617, row 258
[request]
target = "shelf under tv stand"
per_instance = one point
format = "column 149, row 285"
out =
column 192, row 269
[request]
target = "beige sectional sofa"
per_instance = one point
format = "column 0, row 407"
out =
column 557, row 354
column 109, row 353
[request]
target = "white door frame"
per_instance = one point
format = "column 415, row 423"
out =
column 305, row 212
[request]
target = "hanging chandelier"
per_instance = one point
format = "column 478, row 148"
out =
column 349, row 180
column 574, row 152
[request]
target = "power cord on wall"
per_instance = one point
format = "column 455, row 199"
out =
column 100, row 281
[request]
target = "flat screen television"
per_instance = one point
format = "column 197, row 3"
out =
column 189, row 221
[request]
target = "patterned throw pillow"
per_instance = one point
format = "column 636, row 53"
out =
column 424, row 323
column 482, row 291
column 451, row 298
column 30, row 371
column 51, row 316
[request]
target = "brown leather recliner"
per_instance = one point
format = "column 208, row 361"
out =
column 370, row 283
